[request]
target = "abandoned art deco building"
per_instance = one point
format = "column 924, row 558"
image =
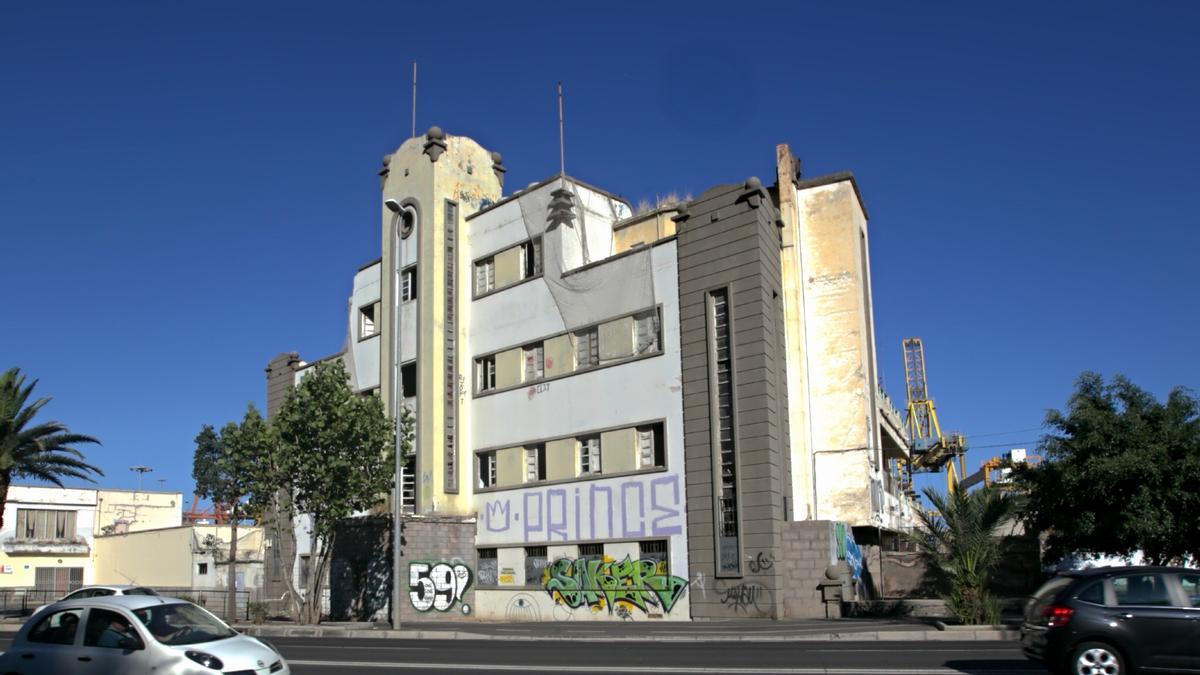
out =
column 669, row 414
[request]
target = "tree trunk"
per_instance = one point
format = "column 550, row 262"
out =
column 5, row 480
column 231, row 599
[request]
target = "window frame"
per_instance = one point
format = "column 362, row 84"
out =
column 408, row 283
column 374, row 306
column 583, row 444
column 488, row 265
column 485, row 373
column 486, row 459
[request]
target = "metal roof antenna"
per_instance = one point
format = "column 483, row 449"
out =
column 562, row 162
column 414, row 101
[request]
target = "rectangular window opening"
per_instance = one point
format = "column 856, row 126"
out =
column 652, row 446
column 535, row 361
column 591, row 551
column 408, row 380
column 589, row 455
column 535, row 462
column 202, row 569
column 648, row 328
column 721, row 405
column 487, row 469
column 488, row 569
column 485, row 373
column 531, row 258
column 367, row 325
column 485, row 275
column 408, row 284
column 587, row 348
column 535, row 565
column 657, row 551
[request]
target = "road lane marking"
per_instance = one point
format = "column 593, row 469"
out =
column 659, row 669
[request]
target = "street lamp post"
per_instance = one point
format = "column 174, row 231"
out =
column 397, row 393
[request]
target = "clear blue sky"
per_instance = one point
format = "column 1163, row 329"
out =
column 186, row 189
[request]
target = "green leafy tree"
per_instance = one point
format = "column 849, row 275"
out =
column 959, row 539
column 1119, row 474
column 43, row 451
column 224, row 467
column 333, row 460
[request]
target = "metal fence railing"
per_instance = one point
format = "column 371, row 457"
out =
column 23, row 601
column 18, row 602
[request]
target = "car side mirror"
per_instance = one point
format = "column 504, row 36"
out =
column 129, row 643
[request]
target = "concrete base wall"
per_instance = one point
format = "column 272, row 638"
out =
column 440, row 564
column 809, row 550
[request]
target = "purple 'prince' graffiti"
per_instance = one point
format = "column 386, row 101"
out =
column 642, row 506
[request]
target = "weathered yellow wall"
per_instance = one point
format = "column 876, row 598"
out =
column 510, row 466
column 836, row 331
column 155, row 558
column 644, row 230
column 616, row 339
column 618, row 450
column 137, row 511
column 463, row 174
column 560, row 459
column 508, row 267
column 560, row 355
column 510, row 368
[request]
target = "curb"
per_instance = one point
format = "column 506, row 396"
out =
column 982, row 634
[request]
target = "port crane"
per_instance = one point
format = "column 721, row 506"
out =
column 931, row 449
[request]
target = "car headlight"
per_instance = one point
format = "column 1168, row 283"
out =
column 206, row 660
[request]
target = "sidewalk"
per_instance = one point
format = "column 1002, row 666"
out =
column 748, row 630
column 745, row 630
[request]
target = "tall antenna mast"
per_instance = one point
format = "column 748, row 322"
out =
column 562, row 162
column 414, row 100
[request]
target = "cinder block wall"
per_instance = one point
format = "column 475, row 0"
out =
column 807, row 552
column 434, row 540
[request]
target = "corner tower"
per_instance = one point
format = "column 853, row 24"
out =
column 428, row 186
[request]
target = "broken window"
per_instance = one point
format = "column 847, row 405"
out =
column 535, row 462
column 485, row 275
column 367, row 326
column 535, row 361
column 487, row 469
column 587, row 348
column 647, row 326
column 589, row 455
column 652, row 447
column 408, row 284
column 531, row 258
column 485, row 373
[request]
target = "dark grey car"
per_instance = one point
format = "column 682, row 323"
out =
column 1116, row 620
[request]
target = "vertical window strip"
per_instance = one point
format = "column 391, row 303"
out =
column 589, row 455
column 729, row 557
column 450, row 346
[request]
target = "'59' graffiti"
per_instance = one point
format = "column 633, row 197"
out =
column 437, row 586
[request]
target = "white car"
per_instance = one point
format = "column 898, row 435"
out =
column 133, row 635
column 101, row 591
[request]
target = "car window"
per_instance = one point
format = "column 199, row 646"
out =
column 1045, row 595
column 101, row 592
column 182, row 624
column 108, row 629
column 140, row 591
column 79, row 595
column 58, row 628
column 1191, row 588
column 1093, row 593
column 1141, row 590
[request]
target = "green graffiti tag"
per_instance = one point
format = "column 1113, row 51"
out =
column 613, row 584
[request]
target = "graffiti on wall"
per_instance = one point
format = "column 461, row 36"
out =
column 641, row 506
column 848, row 550
column 438, row 586
column 618, row 586
column 748, row 598
column 761, row 563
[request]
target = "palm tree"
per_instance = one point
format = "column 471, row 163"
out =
column 42, row 451
column 959, row 540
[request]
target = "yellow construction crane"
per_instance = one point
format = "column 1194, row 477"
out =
column 930, row 449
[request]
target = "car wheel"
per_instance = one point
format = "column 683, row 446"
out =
column 1096, row 658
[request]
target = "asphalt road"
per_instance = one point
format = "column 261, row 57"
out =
column 334, row 656
column 340, row 656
